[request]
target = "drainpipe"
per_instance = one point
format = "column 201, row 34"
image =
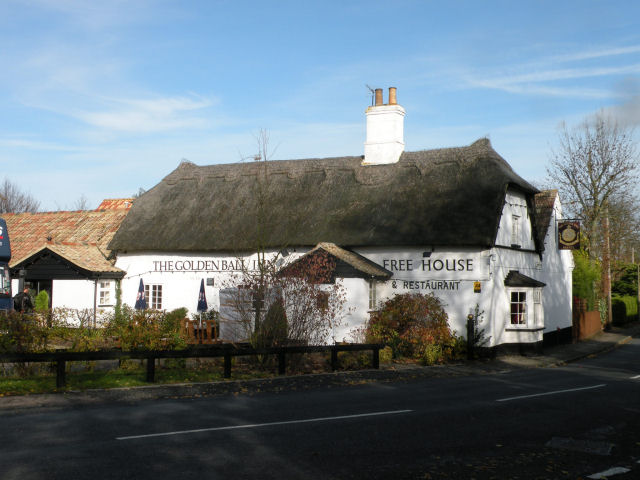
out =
column 95, row 301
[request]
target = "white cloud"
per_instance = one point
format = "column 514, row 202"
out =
column 95, row 15
column 146, row 116
column 566, row 74
column 21, row 143
column 541, row 76
column 599, row 53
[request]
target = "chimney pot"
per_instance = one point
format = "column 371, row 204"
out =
column 379, row 97
column 392, row 96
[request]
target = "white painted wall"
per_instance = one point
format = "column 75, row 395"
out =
column 557, row 273
column 77, row 294
column 450, row 274
column 385, row 134
column 180, row 276
column 515, row 205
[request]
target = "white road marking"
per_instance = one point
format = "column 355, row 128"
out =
column 637, row 376
column 551, row 393
column 258, row 425
column 609, row 473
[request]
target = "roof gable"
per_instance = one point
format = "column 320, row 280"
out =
column 30, row 232
column 68, row 262
column 516, row 279
column 544, row 203
column 348, row 264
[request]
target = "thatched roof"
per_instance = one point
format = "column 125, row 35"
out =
column 544, row 202
column 451, row 196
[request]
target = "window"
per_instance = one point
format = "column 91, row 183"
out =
column 537, row 307
column 518, row 308
column 5, row 281
column 153, row 296
column 104, row 292
column 373, row 297
column 322, row 301
column 515, row 230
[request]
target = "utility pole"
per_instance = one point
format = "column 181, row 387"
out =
column 606, row 267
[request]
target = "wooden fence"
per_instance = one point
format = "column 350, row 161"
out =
column 226, row 351
column 204, row 332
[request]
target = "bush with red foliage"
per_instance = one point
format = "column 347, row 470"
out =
column 414, row 326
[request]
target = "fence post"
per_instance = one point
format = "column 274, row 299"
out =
column 282, row 363
column 227, row 365
column 334, row 358
column 151, row 369
column 376, row 357
column 61, row 380
column 471, row 341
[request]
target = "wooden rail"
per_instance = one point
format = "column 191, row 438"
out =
column 227, row 351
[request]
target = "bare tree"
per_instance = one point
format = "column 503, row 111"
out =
column 13, row 200
column 81, row 203
column 624, row 229
column 596, row 164
column 266, row 306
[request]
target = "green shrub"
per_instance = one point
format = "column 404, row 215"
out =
column 386, row 355
column 433, row 354
column 408, row 324
column 624, row 309
column 626, row 283
column 147, row 329
column 586, row 275
column 273, row 328
column 42, row 302
column 21, row 332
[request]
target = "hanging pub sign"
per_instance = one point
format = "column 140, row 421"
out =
column 569, row 235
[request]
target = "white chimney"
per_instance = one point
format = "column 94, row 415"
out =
column 385, row 131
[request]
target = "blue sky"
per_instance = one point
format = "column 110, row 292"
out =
column 101, row 98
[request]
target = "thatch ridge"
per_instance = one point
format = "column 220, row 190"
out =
column 449, row 196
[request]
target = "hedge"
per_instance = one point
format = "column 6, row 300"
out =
column 624, row 309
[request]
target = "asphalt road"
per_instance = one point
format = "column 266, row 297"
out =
column 569, row 422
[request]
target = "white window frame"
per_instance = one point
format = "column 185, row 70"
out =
column 538, row 312
column 105, row 293
column 515, row 230
column 153, row 295
column 533, row 312
column 524, row 302
column 5, row 280
column 373, row 295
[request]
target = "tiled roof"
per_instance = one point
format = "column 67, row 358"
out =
column 516, row 279
column 116, row 204
column 354, row 262
column 87, row 257
column 79, row 233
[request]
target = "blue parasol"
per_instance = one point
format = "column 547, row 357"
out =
column 202, row 299
column 141, row 301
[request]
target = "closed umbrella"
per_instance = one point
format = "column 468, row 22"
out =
column 202, row 298
column 202, row 307
column 141, row 301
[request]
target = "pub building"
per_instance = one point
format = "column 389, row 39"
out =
column 455, row 222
